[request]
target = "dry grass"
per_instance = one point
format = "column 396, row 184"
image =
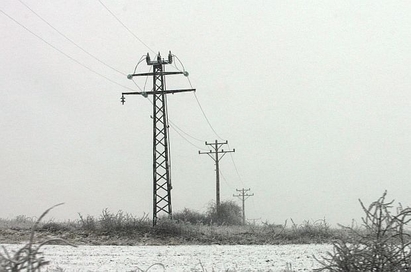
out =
column 29, row 257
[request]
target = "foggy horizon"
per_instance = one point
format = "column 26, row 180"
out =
column 314, row 98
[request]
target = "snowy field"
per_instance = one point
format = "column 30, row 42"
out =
column 182, row 258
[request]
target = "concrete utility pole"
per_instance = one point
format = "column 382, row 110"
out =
column 243, row 196
column 161, row 153
column 214, row 154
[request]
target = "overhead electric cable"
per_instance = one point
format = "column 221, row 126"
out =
column 135, row 68
column 198, row 102
column 192, row 137
column 235, row 167
column 71, row 41
column 205, row 116
column 180, row 132
column 184, row 138
column 61, row 52
column 118, row 20
column 225, row 180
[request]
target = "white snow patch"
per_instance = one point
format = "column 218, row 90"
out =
column 183, row 258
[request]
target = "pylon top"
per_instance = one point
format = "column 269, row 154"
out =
column 159, row 60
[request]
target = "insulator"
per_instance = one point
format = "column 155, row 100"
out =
column 123, row 99
column 170, row 57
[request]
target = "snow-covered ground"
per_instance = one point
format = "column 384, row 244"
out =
column 182, row 258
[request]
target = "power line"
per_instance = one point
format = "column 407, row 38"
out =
column 180, row 132
column 225, row 180
column 235, row 167
column 204, row 114
column 71, row 41
column 61, row 52
column 173, row 126
column 198, row 101
column 185, row 133
column 118, row 20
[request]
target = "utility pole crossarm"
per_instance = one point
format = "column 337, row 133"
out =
column 216, row 158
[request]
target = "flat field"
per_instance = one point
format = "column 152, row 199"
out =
column 182, row 257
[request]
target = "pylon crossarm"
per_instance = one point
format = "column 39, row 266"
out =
column 165, row 92
column 130, row 76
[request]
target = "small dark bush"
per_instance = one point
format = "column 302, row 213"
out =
column 228, row 213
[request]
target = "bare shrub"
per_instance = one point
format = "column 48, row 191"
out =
column 382, row 245
column 88, row 223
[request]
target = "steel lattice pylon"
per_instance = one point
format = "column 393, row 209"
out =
column 161, row 168
column 161, row 153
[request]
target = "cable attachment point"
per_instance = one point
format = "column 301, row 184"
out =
column 129, row 76
column 185, row 73
column 144, row 94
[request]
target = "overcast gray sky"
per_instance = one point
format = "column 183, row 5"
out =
column 313, row 95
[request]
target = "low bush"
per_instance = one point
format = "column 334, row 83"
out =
column 190, row 216
column 166, row 227
column 309, row 232
column 19, row 222
column 228, row 213
column 187, row 227
column 115, row 223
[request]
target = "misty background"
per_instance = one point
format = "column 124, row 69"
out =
column 314, row 97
